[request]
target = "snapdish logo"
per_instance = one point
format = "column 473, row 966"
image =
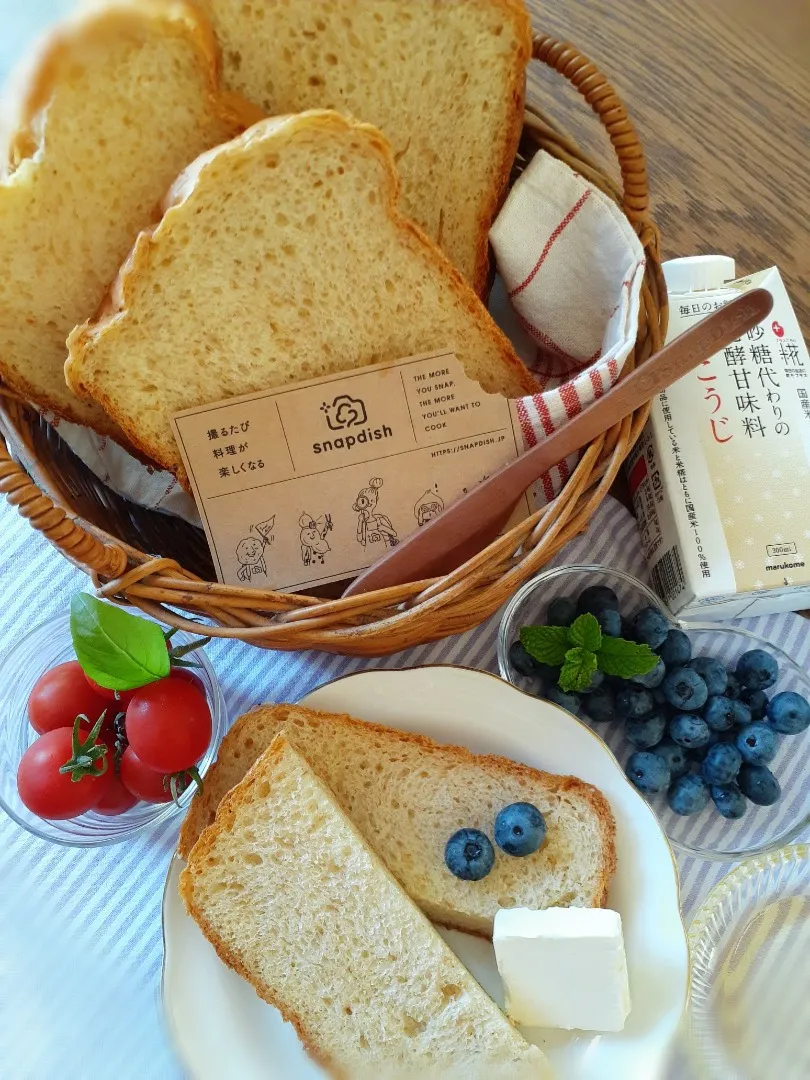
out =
column 345, row 412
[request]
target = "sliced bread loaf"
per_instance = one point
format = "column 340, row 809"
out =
column 281, row 256
column 444, row 82
column 407, row 795
column 294, row 900
column 95, row 129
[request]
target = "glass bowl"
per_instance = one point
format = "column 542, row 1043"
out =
column 706, row 834
column 749, row 944
column 39, row 650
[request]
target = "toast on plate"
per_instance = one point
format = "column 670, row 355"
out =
column 95, row 128
column 407, row 795
column 293, row 899
column 443, row 81
column 281, row 256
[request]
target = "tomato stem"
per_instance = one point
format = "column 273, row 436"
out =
column 86, row 754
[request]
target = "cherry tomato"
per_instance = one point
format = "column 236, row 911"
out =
column 116, row 797
column 143, row 782
column 121, row 697
column 46, row 791
column 59, row 696
column 168, row 725
column 186, row 675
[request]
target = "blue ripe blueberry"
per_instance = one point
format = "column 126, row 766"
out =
column 647, row 732
column 648, row 771
column 570, row 702
column 685, row 690
column 561, row 612
column 689, row 731
column 675, row 649
column 520, row 829
column 721, row 764
column 742, row 714
column 597, row 598
column 757, row 744
column 597, row 679
column 758, row 784
column 711, row 671
column 729, row 800
column 675, row 757
column 757, row 669
column 469, row 855
column 757, row 702
column 719, row 712
column 610, row 622
column 633, row 702
column 652, row 678
column 734, row 687
column 600, row 706
column 521, row 660
column 789, row 713
column 688, row 795
column 659, row 697
column 650, row 627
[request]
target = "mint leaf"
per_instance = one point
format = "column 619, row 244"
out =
column 547, row 644
column 585, row 631
column 625, row 658
column 118, row 650
column 578, row 669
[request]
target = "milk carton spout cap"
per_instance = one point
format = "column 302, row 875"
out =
column 698, row 272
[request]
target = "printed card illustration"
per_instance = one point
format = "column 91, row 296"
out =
column 250, row 551
column 429, row 506
column 345, row 412
column 314, row 545
column 373, row 528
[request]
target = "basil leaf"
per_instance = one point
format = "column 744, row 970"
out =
column 625, row 658
column 577, row 671
column 118, row 650
column 547, row 644
column 586, row 631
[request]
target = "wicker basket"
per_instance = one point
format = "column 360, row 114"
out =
column 107, row 536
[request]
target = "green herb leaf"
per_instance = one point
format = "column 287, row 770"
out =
column 578, row 669
column 585, row 631
column 118, row 650
column 547, row 644
column 625, row 658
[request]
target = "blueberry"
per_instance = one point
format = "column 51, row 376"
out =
column 685, row 690
column 720, row 712
column 689, row 731
column 742, row 714
column 675, row 649
column 520, row 829
column 600, row 706
column 597, row 598
column 646, row 732
column 729, row 800
column 469, row 855
column 789, row 713
column 597, row 679
column 734, row 687
column 757, row 702
column 721, row 764
column 674, row 756
column 688, row 795
column 561, row 612
column 570, row 702
column 652, row 678
column 711, row 671
column 650, row 627
column 757, row 743
column 659, row 697
column 758, row 784
column 757, row 669
column 648, row 771
column 633, row 702
column 521, row 661
column 610, row 622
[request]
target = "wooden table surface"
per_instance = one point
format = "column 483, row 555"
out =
column 720, row 93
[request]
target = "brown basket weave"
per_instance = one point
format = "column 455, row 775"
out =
column 107, row 536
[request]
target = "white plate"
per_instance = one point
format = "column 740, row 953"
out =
column 221, row 1028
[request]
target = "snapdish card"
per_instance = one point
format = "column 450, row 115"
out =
column 312, row 483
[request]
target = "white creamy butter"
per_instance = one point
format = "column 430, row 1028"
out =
column 563, row 967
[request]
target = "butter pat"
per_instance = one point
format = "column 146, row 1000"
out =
column 563, row 967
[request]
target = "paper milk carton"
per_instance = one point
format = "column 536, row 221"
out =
column 720, row 477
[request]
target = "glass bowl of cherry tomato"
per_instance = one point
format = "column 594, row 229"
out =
column 42, row 692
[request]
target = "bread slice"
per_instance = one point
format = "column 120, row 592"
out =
column 444, row 82
column 281, row 257
column 294, row 900
column 407, row 795
column 95, row 129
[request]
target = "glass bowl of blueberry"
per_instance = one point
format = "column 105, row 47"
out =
column 708, row 720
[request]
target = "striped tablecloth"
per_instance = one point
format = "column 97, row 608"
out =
column 80, row 930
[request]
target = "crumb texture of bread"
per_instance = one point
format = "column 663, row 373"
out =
column 280, row 257
column 293, row 899
column 111, row 108
column 407, row 795
column 444, row 81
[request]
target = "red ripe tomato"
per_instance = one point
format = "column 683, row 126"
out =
column 49, row 793
column 143, row 782
column 59, row 696
column 186, row 675
column 121, row 697
column 168, row 725
column 116, row 798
